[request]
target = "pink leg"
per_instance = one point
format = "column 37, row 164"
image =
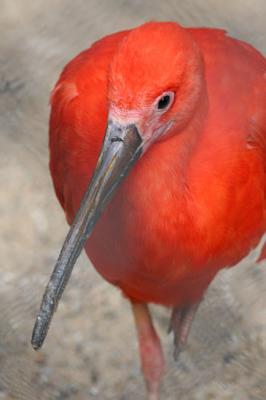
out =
column 180, row 324
column 151, row 355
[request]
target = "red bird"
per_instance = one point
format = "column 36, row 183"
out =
column 161, row 130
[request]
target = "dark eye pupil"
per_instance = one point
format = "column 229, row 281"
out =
column 163, row 102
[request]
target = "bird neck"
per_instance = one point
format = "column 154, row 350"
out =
column 184, row 143
column 165, row 167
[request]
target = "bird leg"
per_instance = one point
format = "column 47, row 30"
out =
column 151, row 354
column 180, row 323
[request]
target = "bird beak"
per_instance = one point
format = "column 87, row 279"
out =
column 121, row 149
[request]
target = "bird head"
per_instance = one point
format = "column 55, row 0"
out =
column 155, row 81
column 154, row 86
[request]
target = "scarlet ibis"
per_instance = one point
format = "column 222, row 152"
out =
column 158, row 134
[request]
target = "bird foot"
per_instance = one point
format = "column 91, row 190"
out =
column 153, row 396
column 180, row 324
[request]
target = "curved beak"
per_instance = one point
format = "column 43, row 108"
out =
column 121, row 149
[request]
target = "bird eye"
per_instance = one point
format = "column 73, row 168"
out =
column 165, row 101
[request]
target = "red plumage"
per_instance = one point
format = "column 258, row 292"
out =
column 195, row 201
column 170, row 227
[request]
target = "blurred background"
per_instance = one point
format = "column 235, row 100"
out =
column 91, row 349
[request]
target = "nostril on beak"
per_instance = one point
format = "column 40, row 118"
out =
column 116, row 139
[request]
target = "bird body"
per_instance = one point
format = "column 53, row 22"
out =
column 158, row 156
column 195, row 202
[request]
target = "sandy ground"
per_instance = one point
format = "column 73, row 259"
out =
column 91, row 350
